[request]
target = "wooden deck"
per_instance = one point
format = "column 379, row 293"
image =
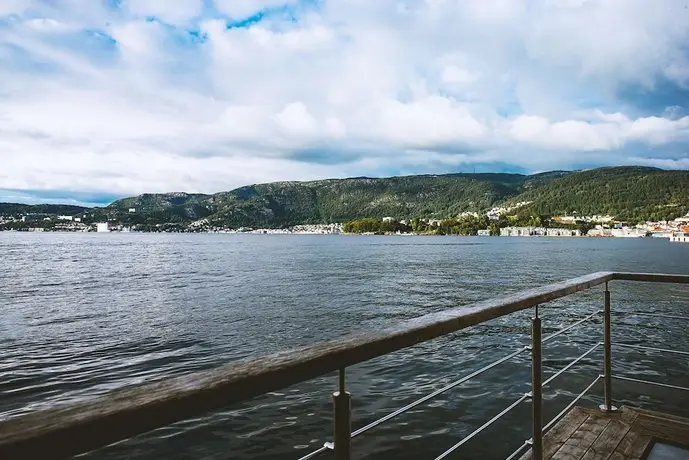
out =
column 588, row 434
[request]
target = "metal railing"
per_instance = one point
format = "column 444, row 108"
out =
column 63, row 432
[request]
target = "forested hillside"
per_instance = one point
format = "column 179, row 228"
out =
column 628, row 193
column 282, row 204
column 11, row 209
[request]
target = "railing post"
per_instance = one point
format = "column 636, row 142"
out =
column 607, row 353
column 536, row 393
column 342, row 416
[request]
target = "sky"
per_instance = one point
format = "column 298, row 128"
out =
column 101, row 99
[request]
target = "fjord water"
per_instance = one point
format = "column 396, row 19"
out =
column 84, row 314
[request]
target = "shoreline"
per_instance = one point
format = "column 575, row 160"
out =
column 286, row 233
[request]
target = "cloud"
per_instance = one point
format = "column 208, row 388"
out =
column 613, row 132
column 454, row 75
column 128, row 96
column 240, row 9
column 169, row 11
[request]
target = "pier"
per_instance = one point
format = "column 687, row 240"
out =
column 575, row 433
column 626, row 434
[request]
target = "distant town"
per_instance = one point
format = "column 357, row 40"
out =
column 498, row 221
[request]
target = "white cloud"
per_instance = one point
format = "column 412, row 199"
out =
column 567, row 135
column 138, row 39
column 8, row 7
column 453, row 74
column 296, row 120
column 94, row 99
column 681, row 163
column 617, row 41
column 240, row 9
column 49, row 25
column 426, row 121
column 659, row 130
column 613, row 132
column 171, row 11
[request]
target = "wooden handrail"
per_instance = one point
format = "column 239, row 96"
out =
column 62, row 432
column 652, row 277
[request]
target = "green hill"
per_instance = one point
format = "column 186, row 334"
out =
column 628, row 193
column 17, row 209
column 335, row 200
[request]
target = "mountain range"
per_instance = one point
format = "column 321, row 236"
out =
column 626, row 192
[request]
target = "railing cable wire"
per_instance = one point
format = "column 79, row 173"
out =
column 436, row 393
column 314, row 453
column 482, row 427
column 648, row 382
column 572, row 363
column 569, row 406
column 571, row 326
column 642, row 347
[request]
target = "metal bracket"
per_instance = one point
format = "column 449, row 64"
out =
column 603, row 408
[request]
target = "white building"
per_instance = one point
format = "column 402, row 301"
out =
column 483, row 233
column 132, row 210
column 522, row 231
column 627, row 232
column 495, row 213
column 70, row 218
column 102, row 227
column 388, row 219
column 680, row 238
column 562, row 232
column 538, row 231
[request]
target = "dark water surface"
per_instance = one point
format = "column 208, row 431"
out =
column 83, row 314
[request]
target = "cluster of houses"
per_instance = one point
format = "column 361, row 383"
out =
column 495, row 213
column 665, row 229
column 538, row 231
column 34, row 222
column 307, row 229
column 38, row 222
column 675, row 230
column 605, row 226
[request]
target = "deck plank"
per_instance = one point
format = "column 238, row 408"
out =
column 582, row 439
column 589, row 434
column 553, row 439
column 632, row 447
column 608, row 440
column 562, row 431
